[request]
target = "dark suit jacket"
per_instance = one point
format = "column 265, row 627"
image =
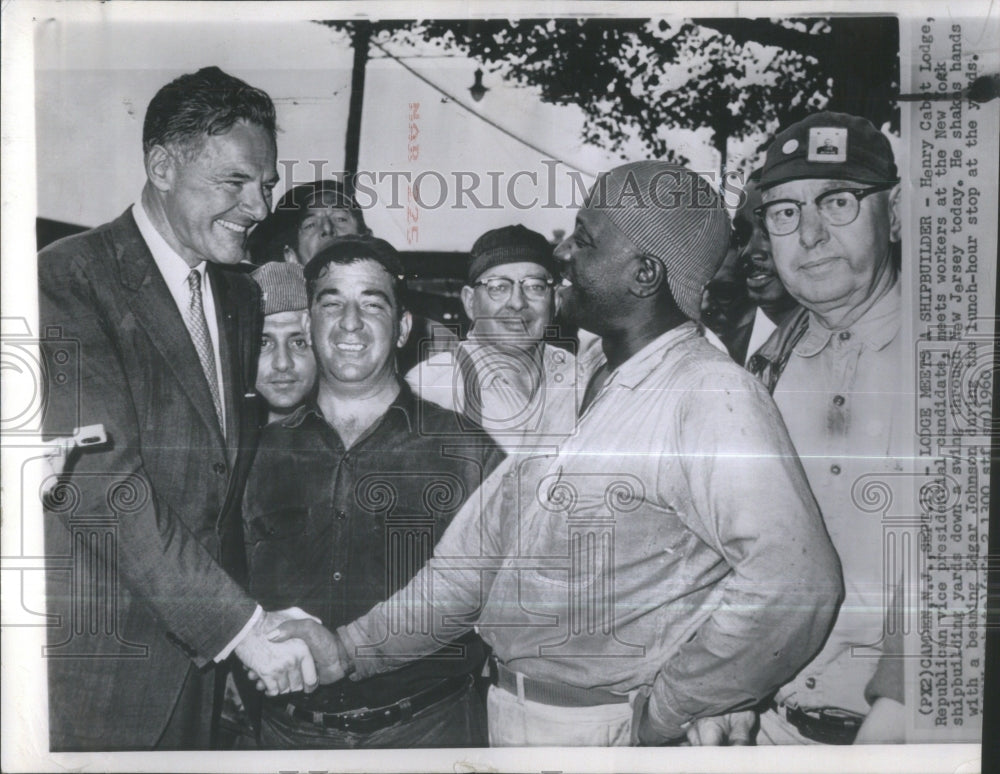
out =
column 143, row 536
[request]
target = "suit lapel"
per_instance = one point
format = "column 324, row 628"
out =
column 154, row 308
column 228, row 315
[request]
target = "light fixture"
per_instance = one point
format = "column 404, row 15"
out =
column 983, row 89
column 477, row 90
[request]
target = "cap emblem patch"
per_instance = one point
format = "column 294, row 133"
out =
column 827, row 144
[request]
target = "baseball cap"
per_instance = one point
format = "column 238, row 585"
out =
column 828, row 145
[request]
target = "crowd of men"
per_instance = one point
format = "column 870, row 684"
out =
column 646, row 540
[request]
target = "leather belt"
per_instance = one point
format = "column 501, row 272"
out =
column 826, row 725
column 554, row 694
column 367, row 721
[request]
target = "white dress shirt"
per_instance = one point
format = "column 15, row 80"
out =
column 175, row 271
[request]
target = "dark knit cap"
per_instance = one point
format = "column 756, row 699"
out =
column 829, row 146
column 510, row 244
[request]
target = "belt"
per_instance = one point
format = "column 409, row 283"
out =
column 367, row 721
column 555, row 694
column 827, row 725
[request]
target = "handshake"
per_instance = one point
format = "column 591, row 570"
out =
column 290, row 650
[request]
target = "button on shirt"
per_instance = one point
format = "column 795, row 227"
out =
column 671, row 543
column 840, row 396
column 334, row 530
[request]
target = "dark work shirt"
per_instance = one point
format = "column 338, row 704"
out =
column 335, row 531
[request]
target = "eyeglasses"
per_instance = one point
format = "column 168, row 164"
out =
column 837, row 207
column 500, row 288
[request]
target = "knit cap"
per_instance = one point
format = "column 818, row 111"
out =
column 283, row 287
column 510, row 244
column 829, row 146
column 674, row 215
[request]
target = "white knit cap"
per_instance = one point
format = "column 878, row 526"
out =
column 671, row 213
column 283, row 287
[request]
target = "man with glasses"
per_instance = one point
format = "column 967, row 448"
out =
column 831, row 210
column 505, row 377
column 669, row 562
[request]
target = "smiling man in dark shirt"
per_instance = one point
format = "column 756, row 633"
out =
column 345, row 502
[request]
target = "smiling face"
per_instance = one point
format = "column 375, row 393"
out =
column 356, row 327
column 516, row 317
column 764, row 287
column 210, row 198
column 598, row 262
column 827, row 267
column 286, row 371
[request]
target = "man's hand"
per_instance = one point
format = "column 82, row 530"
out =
column 327, row 650
column 643, row 732
column 731, row 729
column 884, row 724
column 277, row 666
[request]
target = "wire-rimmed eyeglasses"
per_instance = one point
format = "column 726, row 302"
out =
column 837, row 207
column 500, row 288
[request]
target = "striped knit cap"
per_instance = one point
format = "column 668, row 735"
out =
column 283, row 287
column 670, row 213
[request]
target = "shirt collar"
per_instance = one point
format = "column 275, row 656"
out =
column 632, row 372
column 175, row 270
column 875, row 329
column 404, row 405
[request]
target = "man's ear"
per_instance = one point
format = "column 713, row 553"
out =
column 468, row 294
column 405, row 324
column 648, row 276
column 290, row 255
column 160, row 167
column 895, row 221
column 307, row 326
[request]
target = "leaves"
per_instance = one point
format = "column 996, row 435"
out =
column 642, row 79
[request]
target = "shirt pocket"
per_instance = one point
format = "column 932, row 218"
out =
column 277, row 525
column 279, row 548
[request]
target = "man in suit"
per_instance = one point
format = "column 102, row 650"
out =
column 145, row 559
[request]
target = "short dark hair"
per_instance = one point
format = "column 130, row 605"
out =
column 351, row 249
column 201, row 104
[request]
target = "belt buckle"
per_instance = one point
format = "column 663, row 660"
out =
column 827, row 725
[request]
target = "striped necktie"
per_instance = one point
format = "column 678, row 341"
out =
column 198, row 328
